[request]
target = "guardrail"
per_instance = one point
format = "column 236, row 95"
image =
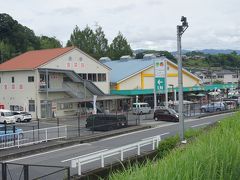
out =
column 77, row 162
column 32, row 137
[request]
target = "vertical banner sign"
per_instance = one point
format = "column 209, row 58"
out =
column 94, row 104
column 160, row 75
column 160, row 80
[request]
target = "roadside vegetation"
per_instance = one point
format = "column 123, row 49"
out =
column 210, row 154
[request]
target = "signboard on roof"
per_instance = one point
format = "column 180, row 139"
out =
column 160, row 69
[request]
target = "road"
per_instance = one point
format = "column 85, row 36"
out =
column 60, row 157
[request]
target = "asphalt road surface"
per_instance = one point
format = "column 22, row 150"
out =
column 60, row 157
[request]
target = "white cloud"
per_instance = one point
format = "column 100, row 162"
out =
column 145, row 23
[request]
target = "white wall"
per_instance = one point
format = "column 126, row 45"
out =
column 23, row 91
column 81, row 63
column 134, row 82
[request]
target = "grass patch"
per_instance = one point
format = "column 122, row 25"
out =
column 214, row 155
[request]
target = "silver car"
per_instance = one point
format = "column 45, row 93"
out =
column 214, row 106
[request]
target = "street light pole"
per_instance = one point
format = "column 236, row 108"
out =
column 180, row 30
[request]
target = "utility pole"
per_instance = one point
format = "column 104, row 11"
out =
column 180, row 30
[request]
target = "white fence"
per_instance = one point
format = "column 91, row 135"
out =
column 32, row 137
column 77, row 162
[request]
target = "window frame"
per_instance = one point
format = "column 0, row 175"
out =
column 30, row 78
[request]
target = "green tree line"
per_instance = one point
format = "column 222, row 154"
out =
column 95, row 43
column 226, row 61
column 16, row 39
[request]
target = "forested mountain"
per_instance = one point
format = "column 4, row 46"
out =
column 16, row 39
column 197, row 59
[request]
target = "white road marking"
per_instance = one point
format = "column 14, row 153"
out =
column 152, row 137
column 198, row 119
column 34, row 155
column 84, row 155
column 200, row 124
column 114, row 137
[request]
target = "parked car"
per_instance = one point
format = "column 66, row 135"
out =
column 214, row 106
column 230, row 104
column 8, row 133
column 233, row 98
column 6, row 116
column 106, row 122
column 141, row 108
column 21, row 116
column 166, row 114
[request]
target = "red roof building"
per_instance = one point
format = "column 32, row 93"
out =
column 33, row 59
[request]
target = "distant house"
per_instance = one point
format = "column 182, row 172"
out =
column 225, row 76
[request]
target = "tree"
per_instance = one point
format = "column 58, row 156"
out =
column 49, row 42
column 101, row 43
column 6, row 51
column 84, row 40
column 119, row 47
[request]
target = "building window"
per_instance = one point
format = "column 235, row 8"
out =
column 30, row 78
column 65, row 106
column 234, row 76
column 83, row 75
column 101, row 77
column 16, row 108
column 31, row 105
column 90, row 77
column 94, row 77
column 12, row 79
column 220, row 76
column 0, row 79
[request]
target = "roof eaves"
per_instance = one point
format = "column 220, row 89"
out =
column 191, row 74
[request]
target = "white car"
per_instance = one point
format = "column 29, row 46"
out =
column 141, row 108
column 6, row 116
column 21, row 116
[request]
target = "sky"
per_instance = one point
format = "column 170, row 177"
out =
column 146, row 24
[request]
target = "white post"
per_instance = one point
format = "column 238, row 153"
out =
column 166, row 84
column 65, row 131
column 138, row 152
column 79, row 168
column 154, row 89
column 153, row 143
column 102, row 160
column 46, row 135
column 18, row 140
column 158, row 140
column 175, row 95
column 121, row 154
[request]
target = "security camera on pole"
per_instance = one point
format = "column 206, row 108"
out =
column 180, row 30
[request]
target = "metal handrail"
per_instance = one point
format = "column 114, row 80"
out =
column 24, row 138
column 88, row 158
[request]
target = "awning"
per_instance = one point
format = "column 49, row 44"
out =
column 99, row 98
